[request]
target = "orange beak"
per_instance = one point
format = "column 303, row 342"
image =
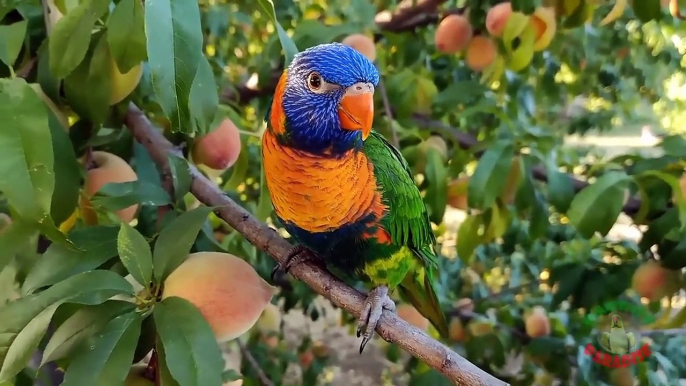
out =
column 356, row 110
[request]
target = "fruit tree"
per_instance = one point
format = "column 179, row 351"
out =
column 138, row 239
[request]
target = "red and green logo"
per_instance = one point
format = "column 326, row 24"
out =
column 618, row 323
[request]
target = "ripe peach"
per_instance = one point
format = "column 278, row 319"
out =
column 537, row 323
column 363, row 44
column 226, row 289
column 51, row 105
column 306, row 358
column 218, row 149
column 456, row 331
column 457, row 193
column 438, row 143
column 453, row 34
column 110, row 168
column 496, row 18
column 123, row 84
column 410, row 314
column 652, row 281
column 481, row 52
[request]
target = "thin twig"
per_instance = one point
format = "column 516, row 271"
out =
column 25, row 70
column 391, row 328
column 264, row 380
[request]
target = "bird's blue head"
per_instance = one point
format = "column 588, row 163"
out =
column 324, row 101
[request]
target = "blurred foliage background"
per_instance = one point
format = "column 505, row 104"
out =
column 548, row 184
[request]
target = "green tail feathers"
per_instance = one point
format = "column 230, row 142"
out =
column 418, row 290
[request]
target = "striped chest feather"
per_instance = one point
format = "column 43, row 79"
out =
column 320, row 194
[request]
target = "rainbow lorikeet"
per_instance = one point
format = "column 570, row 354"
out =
column 341, row 190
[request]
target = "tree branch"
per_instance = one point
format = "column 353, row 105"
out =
column 391, row 327
column 264, row 380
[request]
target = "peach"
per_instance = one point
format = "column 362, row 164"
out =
column 453, row 34
column 457, row 193
column 306, row 358
column 480, row 328
column 437, row 142
column 456, row 332
column 363, row 44
column 545, row 26
column 226, row 289
column 496, row 18
column 123, row 84
column 410, row 314
column 110, row 168
column 51, row 105
column 652, row 281
column 219, row 149
column 537, row 323
column 481, row 53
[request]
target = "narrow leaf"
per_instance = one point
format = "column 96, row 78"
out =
column 488, row 179
column 596, row 207
column 181, row 176
column 11, row 40
column 126, row 35
column 174, row 38
column 204, row 98
column 135, row 254
column 119, row 195
column 106, row 358
column 289, row 48
column 175, row 241
column 71, row 36
column 191, row 351
column 93, row 247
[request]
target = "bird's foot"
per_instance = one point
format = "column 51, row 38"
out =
column 377, row 301
column 297, row 255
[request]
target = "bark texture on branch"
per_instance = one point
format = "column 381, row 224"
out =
column 391, row 328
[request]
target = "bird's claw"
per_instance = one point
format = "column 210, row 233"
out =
column 297, row 255
column 376, row 302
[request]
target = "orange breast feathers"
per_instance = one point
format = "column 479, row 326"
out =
column 319, row 194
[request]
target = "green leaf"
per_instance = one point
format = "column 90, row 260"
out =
column 32, row 314
column 468, row 237
column 126, row 34
column 13, row 238
column 67, row 168
column 84, row 323
column 596, row 207
column 71, row 36
column 488, row 180
column 174, row 37
column 175, row 241
column 461, row 92
column 191, row 351
column 560, row 189
column 166, row 378
column 289, row 48
column 181, row 175
column 26, row 172
column 119, row 195
column 677, row 195
column 88, row 86
column 204, row 98
column 11, row 40
column 93, row 247
column 647, row 10
column 106, row 358
column 135, row 254
column 437, row 192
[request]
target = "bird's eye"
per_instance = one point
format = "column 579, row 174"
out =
column 314, row 81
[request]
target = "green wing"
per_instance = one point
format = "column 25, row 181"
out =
column 407, row 221
column 408, row 224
